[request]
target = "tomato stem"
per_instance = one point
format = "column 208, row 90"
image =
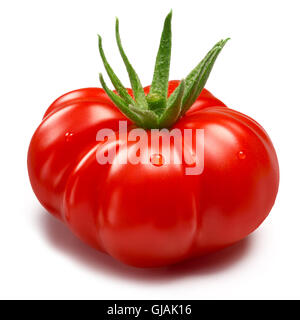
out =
column 156, row 110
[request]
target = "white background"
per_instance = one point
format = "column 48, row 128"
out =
column 50, row 47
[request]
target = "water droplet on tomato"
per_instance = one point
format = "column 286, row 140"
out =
column 157, row 160
column 241, row 155
column 68, row 136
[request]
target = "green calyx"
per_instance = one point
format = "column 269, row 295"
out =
column 157, row 110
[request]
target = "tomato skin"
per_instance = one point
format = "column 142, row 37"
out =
column 146, row 215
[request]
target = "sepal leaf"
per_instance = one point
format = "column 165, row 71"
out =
column 122, row 91
column 173, row 110
column 157, row 97
column 120, row 103
column 136, row 85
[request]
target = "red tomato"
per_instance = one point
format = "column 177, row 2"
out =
column 153, row 214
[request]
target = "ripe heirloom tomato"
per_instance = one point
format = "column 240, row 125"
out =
column 152, row 213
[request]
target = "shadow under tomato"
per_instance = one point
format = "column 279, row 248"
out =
column 61, row 238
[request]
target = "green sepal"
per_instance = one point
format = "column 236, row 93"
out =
column 122, row 91
column 155, row 110
column 173, row 110
column 201, row 77
column 120, row 103
column 193, row 78
column 136, row 85
column 157, row 97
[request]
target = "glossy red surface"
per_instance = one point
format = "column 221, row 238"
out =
column 152, row 214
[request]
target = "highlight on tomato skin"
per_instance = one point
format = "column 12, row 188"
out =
column 153, row 212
